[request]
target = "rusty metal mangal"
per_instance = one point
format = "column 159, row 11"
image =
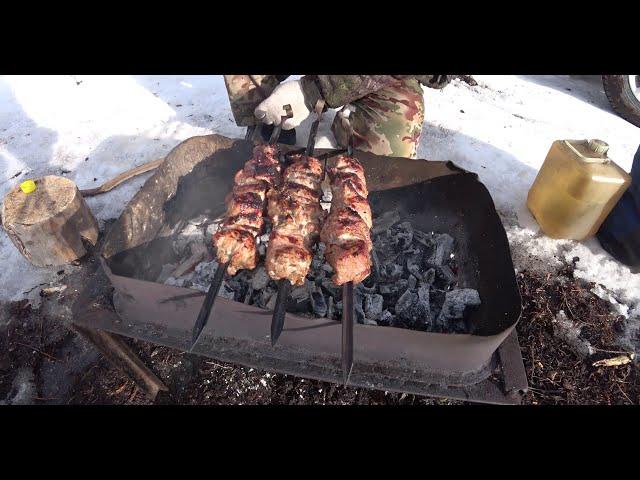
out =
column 436, row 196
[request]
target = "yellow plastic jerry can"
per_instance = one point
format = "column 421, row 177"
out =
column 576, row 188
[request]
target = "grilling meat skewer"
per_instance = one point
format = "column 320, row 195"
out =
column 346, row 233
column 296, row 215
column 346, row 230
column 235, row 242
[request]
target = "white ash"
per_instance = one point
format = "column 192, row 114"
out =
column 413, row 282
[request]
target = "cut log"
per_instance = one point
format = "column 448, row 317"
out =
column 48, row 225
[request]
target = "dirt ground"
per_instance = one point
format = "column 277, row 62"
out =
column 44, row 363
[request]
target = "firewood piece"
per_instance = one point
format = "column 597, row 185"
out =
column 123, row 177
column 124, row 359
column 48, row 225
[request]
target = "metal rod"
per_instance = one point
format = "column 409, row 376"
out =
column 280, row 310
column 207, row 304
column 347, row 330
column 311, row 143
column 326, row 156
column 346, row 121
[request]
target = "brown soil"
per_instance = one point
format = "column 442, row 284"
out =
column 556, row 375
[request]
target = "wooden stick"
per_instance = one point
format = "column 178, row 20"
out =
column 124, row 359
column 123, row 177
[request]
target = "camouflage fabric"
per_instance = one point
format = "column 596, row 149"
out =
column 386, row 122
column 389, row 108
column 338, row 90
column 245, row 93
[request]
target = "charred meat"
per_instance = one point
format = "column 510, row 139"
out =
column 346, row 233
column 235, row 241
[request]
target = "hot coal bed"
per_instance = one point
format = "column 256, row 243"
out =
column 413, row 284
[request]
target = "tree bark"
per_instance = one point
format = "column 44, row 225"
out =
column 48, row 225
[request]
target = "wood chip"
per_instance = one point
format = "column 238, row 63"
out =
column 51, row 290
column 615, row 361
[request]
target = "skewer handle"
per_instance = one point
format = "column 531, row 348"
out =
column 311, row 143
column 278, row 128
column 348, row 313
column 280, row 310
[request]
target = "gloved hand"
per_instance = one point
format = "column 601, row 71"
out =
column 270, row 110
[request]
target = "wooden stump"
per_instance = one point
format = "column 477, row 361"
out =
column 48, row 225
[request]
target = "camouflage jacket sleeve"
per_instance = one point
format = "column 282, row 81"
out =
column 338, row 90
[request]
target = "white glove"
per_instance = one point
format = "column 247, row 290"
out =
column 270, row 110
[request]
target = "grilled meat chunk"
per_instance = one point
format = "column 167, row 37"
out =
column 297, row 216
column 346, row 231
column 235, row 242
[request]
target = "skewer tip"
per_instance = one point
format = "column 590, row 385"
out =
column 346, row 373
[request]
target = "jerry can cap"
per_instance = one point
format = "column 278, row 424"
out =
column 591, row 151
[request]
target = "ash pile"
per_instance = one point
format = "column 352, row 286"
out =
column 413, row 283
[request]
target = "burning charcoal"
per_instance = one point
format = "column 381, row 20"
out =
column 413, row 281
column 455, row 304
column 331, row 288
column 394, row 271
column 443, row 248
column 263, row 297
column 299, row 299
column 436, row 300
column 423, row 295
column 318, row 258
column 405, row 301
column 385, row 221
column 319, row 304
column 375, row 263
column 386, row 318
column 373, row 306
column 327, row 268
column 226, row 291
column 364, row 289
column 413, row 265
column 247, row 296
column 271, row 304
column 330, row 308
column 429, row 276
column 416, row 312
column 358, row 299
column 404, row 235
column 422, row 238
column 447, row 275
column 204, row 272
column 299, row 293
column 260, row 278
